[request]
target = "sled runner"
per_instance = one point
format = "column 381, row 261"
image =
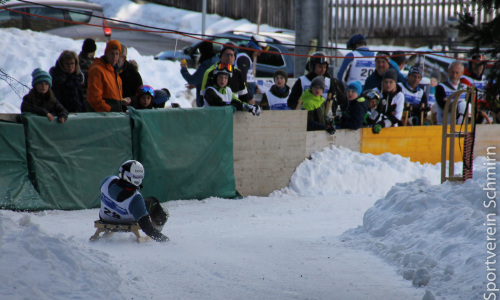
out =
column 109, row 229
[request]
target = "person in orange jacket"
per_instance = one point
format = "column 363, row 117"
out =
column 104, row 91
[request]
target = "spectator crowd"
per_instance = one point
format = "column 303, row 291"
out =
column 376, row 90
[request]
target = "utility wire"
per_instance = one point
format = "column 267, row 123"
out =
column 18, row 87
column 198, row 36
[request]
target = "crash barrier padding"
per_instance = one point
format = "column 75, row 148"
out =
column 186, row 153
column 68, row 161
column 419, row 143
column 16, row 190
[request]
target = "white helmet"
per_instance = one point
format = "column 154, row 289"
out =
column 132, row 171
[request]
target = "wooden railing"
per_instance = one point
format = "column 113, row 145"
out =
column 399, row 18
column 374, row 18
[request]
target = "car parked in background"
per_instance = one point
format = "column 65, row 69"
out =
column 267, row 63
column 55, row 10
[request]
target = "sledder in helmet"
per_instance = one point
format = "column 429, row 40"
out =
column 122, row 203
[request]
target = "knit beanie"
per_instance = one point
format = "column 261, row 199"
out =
column 436, row 74
column 415, row 70
column 282, row 73
column 391, row 74
column 161, row 96
column 355, row 86
column 113, row 45
column 383, row 53
column 89, row 46
column 318, row 81
column 206, row 49
column 40, row 75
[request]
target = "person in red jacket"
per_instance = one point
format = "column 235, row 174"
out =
column 104, row 92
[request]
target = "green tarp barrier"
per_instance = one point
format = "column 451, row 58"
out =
column 16, row 191
column 186, row 153
column 70, row 160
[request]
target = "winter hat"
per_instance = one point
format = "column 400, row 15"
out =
column 355, row 86
column 206, row 49
column 282, row 73
column 355, row 40
column 113, row 45
column 40, row 75
column 161, row 96
column 415, row 70
column 383, row 53
column 436, row 74
column 318, row 81
column 89, row 46
column 391, row 74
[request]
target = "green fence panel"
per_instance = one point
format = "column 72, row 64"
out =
column 69, row 160
column 186, row 153
column 16, row 190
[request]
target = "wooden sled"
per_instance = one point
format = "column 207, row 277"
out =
column 109, row 229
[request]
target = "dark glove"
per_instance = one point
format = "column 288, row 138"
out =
column 254, row 109
column 161, row 238
column 330, row 129
column 376, row 128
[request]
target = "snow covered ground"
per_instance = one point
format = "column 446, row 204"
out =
column 381, row 239
column 348, row 226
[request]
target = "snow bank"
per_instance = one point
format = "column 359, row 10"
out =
column 160, row 16
column 338, row 171
column 435, row 234
column 39, row 266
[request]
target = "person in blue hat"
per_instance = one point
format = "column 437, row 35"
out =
column 41, row 100
column 359, row 63
column 354, row 110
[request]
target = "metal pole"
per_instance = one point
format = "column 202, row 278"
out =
column 336, row 33
column 203, row 17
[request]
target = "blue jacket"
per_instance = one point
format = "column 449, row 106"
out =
column 348, row 59
column 197, row 77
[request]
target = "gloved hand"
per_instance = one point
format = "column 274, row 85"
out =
column 161, row 238
column 376, row 128
column 365, row 117
column 254, row 109
column 330, row 128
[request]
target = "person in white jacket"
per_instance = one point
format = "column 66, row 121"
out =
column 392, row 104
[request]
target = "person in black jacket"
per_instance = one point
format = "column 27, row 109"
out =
column 227, row 56
column 129, row 73
column 354, row 110
column 86, row 58
column 68, row 81
column 41, row 101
